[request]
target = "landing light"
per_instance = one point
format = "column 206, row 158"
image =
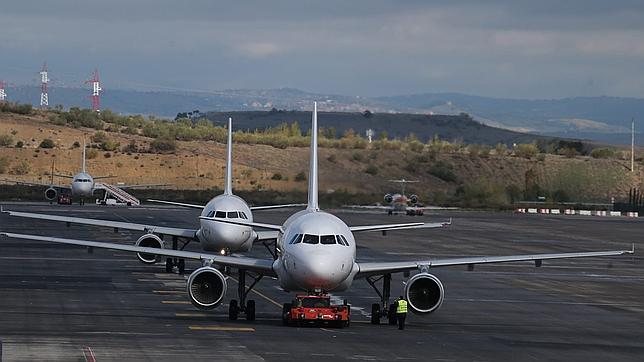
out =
column 223, row 252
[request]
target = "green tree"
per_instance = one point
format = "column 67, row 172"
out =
column 47, row 143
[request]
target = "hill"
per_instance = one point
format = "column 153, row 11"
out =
column 454, row 175
column 605, row 119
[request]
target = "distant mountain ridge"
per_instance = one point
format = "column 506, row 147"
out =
column 605, row 119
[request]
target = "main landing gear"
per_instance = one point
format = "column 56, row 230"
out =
column 384, row 309
column 243, row 306
column 172, row 262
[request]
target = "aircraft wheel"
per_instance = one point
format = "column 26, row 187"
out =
column 375, row 313
column 391, row 314
column 233, row 310
column 390, row 212
column 250, row 310
column 168, row 265
column 181, row 265
column 286, row 309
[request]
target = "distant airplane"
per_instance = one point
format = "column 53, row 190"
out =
column 316, row 255
column 82, row 184
column 398, row 203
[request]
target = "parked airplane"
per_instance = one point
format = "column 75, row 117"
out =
column 316, row 254
column 397, row 202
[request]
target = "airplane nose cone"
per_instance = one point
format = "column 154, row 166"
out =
column 217, row 236
column 322, row 270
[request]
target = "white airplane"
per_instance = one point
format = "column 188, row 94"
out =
column 398, row 202
column 316, row 254
column 82, row 184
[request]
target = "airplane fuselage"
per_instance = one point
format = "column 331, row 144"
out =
column 216, row 236
column 82, row 185
column 316, row 252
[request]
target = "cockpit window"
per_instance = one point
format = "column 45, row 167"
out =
column 296, row 239
column 233, row 215
column 346, row 243
column 243, row 215
column 220, row 214
column 311, row 239
column 211, row 213
column 327, row 239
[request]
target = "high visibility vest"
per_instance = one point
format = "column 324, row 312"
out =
column 402, row 306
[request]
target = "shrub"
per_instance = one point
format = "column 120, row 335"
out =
column 107, row 155
column 91, row 153
column 161, row 145
column 526, row 150
column 6, row 140
column 276, row 176
column 357, row 156
column 99, row 137
column 602, row 153
column 47, row 143
column 501, row 149
column 19, row 144
column 130, row 147
column 21, row 169
column 109, row 145
column 76, row 144
column 568, row 152
column 443, row 171
column 371, row 169
column 331, row 159
column 300, row 176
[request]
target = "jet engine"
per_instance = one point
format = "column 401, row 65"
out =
column 413, row 199
column 389, row 198
column 51, row 193
column 206, row 287
column 424, row 293
column 149, row 241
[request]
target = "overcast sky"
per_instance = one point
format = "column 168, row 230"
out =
column 515, row 49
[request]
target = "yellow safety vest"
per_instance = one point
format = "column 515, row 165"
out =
column 402, row 306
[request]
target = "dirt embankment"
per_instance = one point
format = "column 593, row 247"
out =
column 200, row 165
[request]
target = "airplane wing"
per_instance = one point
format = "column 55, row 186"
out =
column 244, row 223
column 376, row 268
column 266, row 235
column 102, row 177
column 186, row 233
column 141, row 186
column 268, row 207
column 64, row 176
column 38, row 184
column 194, row 206
column 262, row 266
column 411, row 225
column 369, row 207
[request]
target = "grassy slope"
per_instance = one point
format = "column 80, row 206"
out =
column 199, row 165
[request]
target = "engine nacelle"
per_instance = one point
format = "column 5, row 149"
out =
column 206, row 287
column 413, row 199
column 51, row 193
column 149, row 241
column 389, row 198
column 424, row 293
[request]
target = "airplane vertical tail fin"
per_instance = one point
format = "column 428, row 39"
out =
column 83, row 154
column 313, row 173
column 228, row 187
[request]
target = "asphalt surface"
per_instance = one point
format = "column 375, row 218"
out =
column 62, row 303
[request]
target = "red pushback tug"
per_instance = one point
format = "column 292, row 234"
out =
column 315, row 309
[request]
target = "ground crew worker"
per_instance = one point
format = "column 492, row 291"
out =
column 401, row 312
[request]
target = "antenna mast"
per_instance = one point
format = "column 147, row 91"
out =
column 44, row 95
column 96, row 91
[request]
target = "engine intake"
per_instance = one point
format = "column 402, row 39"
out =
column 149, row 241
column 389, row 198
column 206, row 287
column 51, row 193
column 424, row 293
column 413, row 199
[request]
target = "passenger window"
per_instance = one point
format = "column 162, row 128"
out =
column 296, row 239
column 327, row 239
column 220, row 214
column 233, row 214
column 311, row 239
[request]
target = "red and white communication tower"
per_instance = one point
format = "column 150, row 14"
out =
column 96, row 91
column 44, row 79
column 3, row 94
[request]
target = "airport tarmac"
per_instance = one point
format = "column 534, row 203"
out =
column 62, row 303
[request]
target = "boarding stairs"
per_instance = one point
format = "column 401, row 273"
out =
column 119, row 194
